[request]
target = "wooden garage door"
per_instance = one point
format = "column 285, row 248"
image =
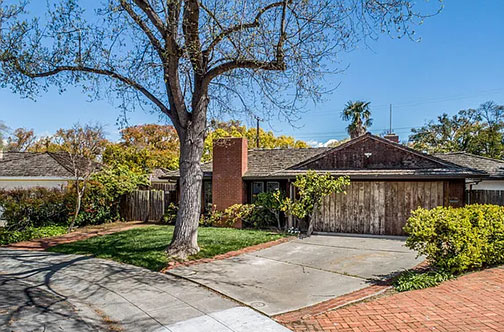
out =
column 377, row 207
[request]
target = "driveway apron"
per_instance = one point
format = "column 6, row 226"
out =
column 303, row 272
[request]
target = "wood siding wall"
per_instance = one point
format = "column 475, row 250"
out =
column 371, row 153
column 381, row 207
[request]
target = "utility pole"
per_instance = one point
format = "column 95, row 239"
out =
column 390, row 127
column 257, row 131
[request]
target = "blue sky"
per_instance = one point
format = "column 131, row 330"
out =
column 457, row 64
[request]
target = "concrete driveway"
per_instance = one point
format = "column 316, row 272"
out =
column 42, row 291
column 303, row 272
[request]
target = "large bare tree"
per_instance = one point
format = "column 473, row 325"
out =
column 188, row 58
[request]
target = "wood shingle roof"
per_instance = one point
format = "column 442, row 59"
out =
column 493, row 167
column 36, row 164
column 388, row 160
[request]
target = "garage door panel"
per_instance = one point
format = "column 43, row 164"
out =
column 377, row 207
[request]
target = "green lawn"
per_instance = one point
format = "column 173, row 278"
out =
column 145, row 246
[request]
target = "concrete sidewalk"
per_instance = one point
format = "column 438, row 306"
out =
column 54, row 292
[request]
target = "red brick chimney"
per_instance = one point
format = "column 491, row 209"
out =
column 230, row 157
column 392, row 137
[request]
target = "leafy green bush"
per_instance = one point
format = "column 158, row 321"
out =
column 97, row 208
column 458, row 239
column 260, row 218
column 229, row 217
column 37, row 207
column 237, row 213
column 410, row 280
column 267, row 210
column 29, row 233
column 251, row 216
column 100, row 203
column 170, row 216
column 214, row 217
column 312, row 187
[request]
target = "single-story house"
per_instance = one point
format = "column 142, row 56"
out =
column 488, row 190
column 24, row 170
column 159, row 182
column 31, row 169
column 388, row 180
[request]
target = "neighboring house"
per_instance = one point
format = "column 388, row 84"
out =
column 493, row 167
column 158, row 182
column 31, row 169
column 489, row 190
column 388, row 180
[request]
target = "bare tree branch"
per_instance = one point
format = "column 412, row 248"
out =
column 152, row 15
column 138, row 20
column 244, row 26
column 103, row 72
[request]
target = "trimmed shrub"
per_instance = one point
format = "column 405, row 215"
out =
column 458, row 239
column 260, row 218
column 228, row 217
column 236, row 213
column 251, row 216
column 212, row 218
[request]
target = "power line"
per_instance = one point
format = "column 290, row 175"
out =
column 340, row 133
column 418, row 103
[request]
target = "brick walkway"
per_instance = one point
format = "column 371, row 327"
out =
column 474, row 302
column 78, row 235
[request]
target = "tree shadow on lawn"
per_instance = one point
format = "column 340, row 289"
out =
column 130, row 248
column 145, row 247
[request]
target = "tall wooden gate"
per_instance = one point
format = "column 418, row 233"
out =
column 145, row 205
column 377, row 207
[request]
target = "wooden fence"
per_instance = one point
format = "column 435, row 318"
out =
column 146, row 205
column 486, row 197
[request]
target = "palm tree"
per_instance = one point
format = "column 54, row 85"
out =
column 359, row 115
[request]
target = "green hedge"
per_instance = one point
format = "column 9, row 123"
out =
column 29, row 233
column 458, row 239
column 37, row 207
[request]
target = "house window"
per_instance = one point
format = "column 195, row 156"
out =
column 257, row 188
column 207, row 195
column 272, row 186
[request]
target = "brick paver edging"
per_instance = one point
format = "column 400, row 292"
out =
column 175, row 264
column 332, row 304
column 78, row 235
column 359, row 295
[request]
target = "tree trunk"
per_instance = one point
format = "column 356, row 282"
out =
column 77, row 209
column 309, row 231
column 185, row 236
